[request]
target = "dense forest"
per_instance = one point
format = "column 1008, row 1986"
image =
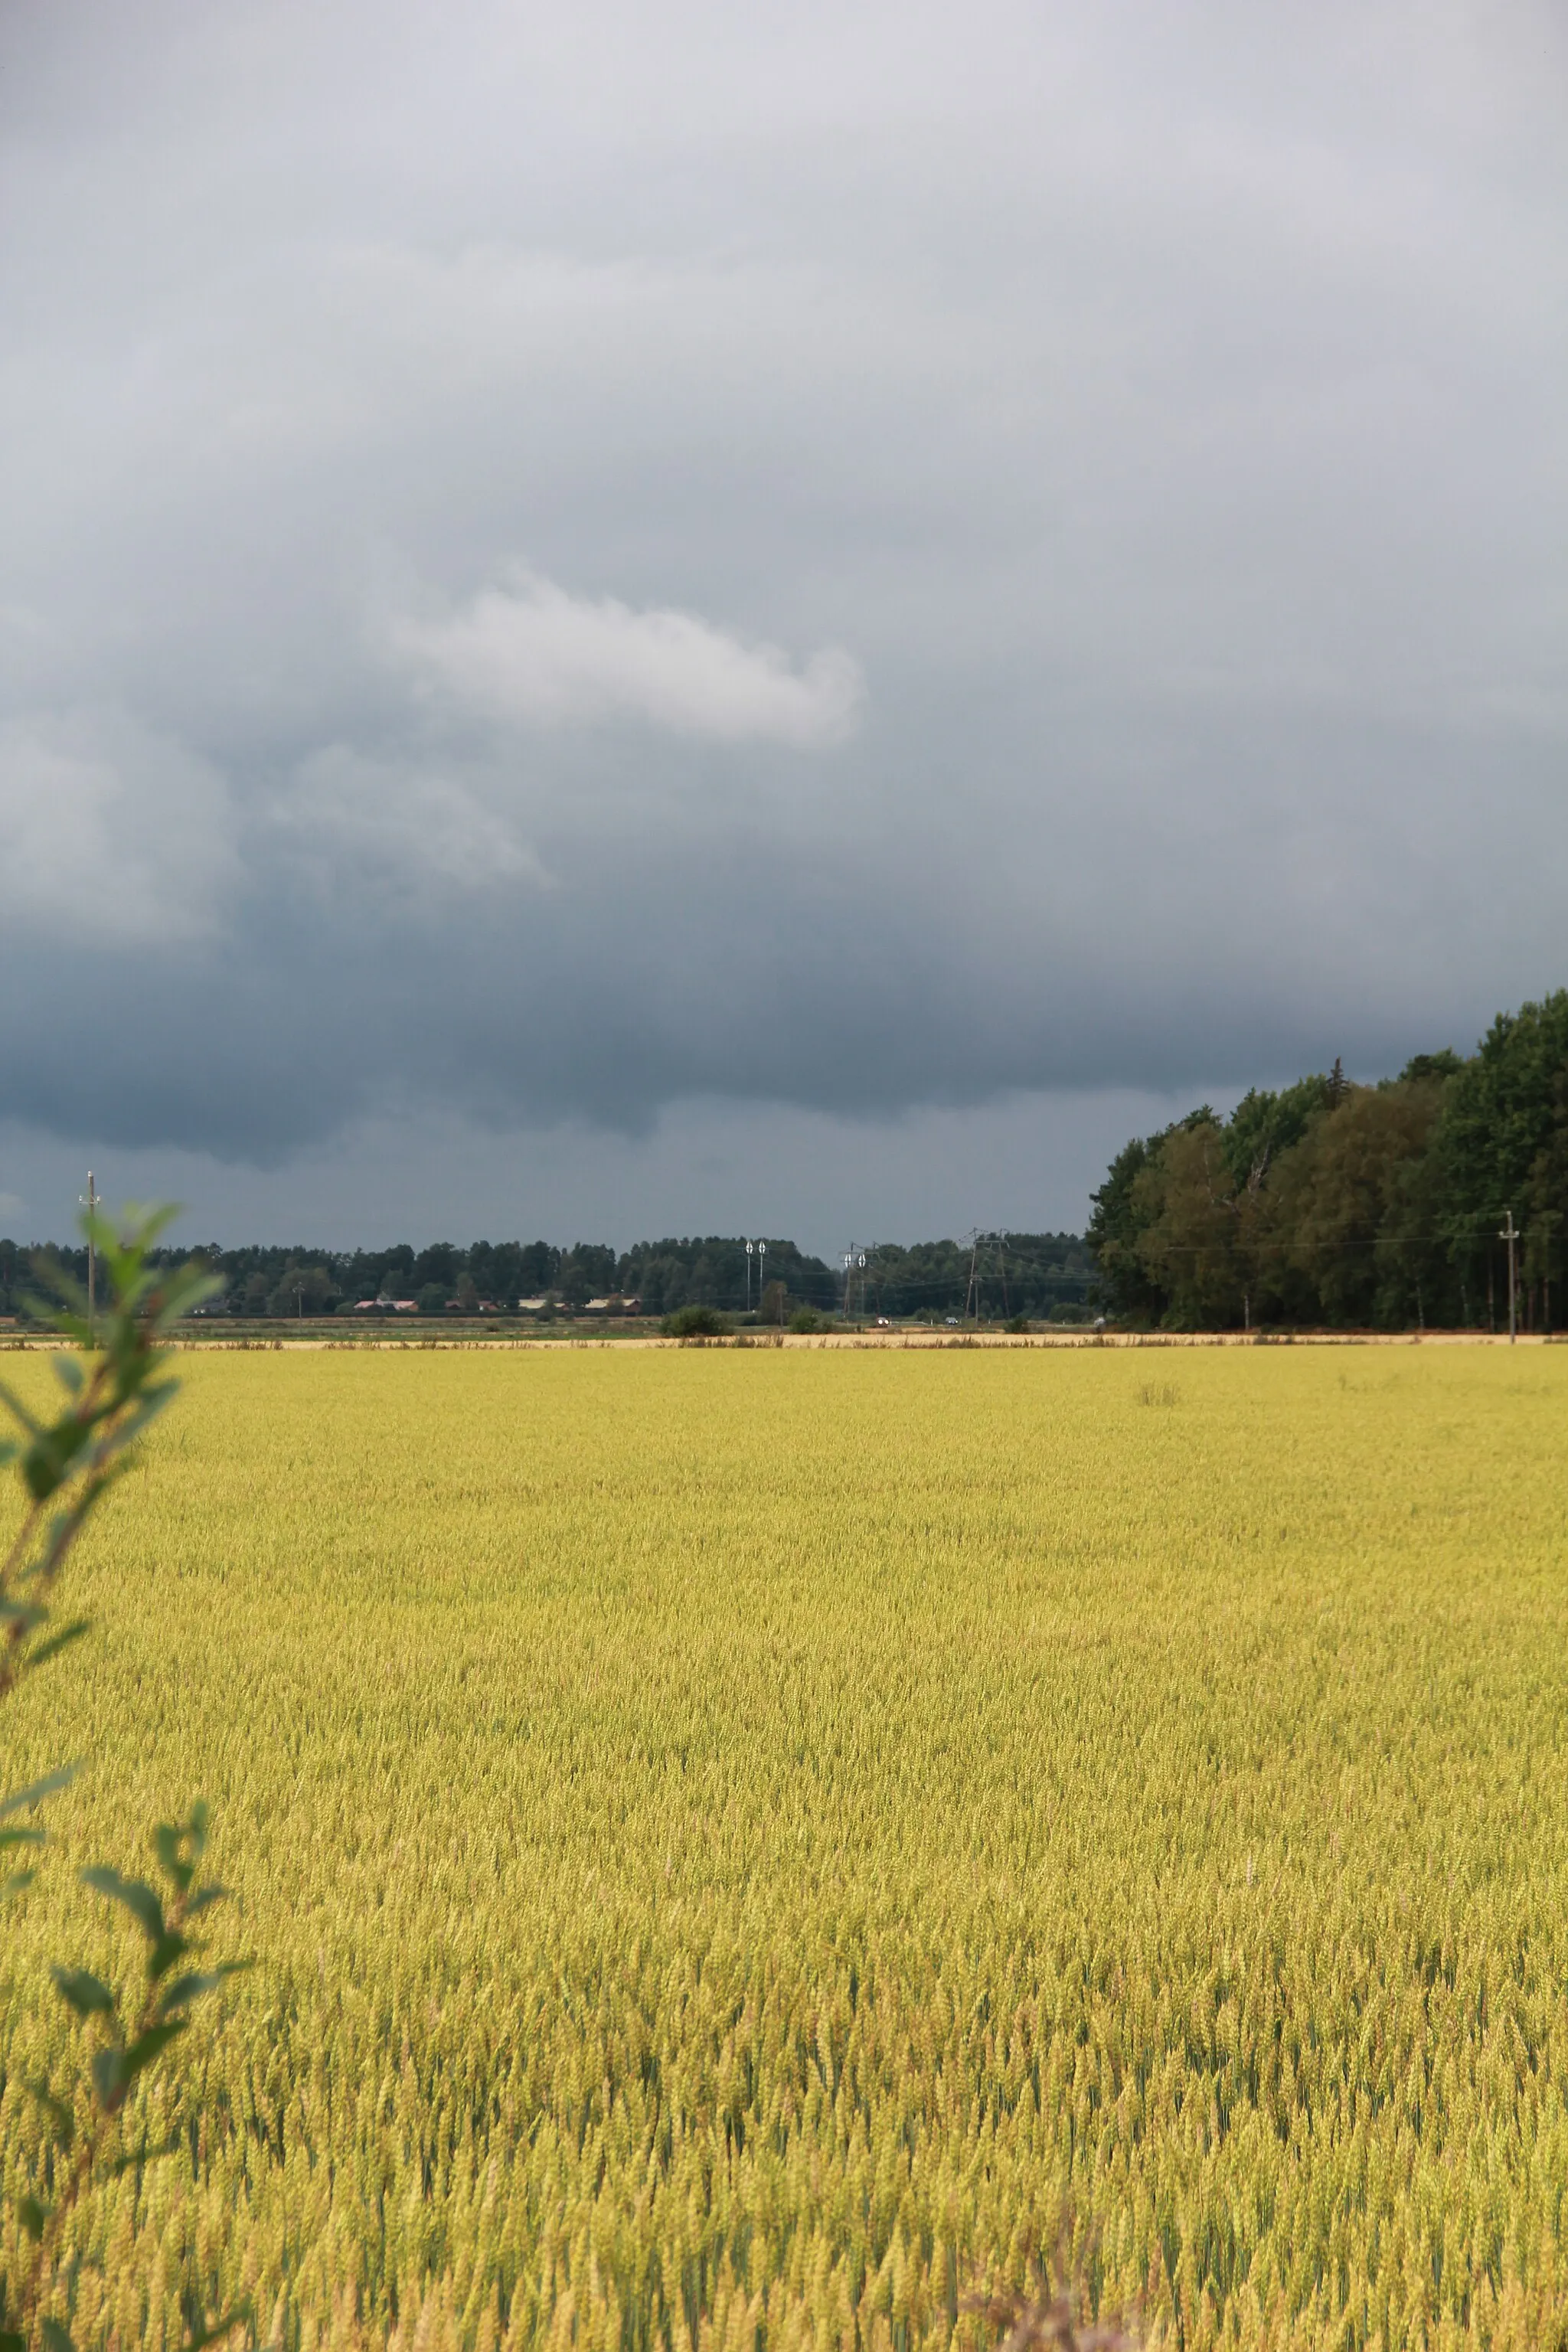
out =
column 1354, row 1206
column 1037, row 1274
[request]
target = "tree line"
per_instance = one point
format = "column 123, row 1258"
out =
column 1327, row 1202
column 1352, row 1206
column 988, row 1276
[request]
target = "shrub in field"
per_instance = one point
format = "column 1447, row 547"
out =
column 696, row 1323
column 68, row 1466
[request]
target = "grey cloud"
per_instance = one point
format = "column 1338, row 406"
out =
column 108, row 833
column 406, row 835
column 1046, row 542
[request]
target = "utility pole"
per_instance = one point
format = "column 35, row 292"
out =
column 750, row 1252
column 1507, row 1232
column 90, row 1203
column 973, row 1291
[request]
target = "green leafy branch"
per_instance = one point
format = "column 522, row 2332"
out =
column 67, row 1465
column 126, row 2047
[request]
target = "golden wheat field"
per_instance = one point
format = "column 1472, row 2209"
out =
column 742, row 1845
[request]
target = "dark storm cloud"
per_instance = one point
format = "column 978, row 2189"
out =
column 553, row 565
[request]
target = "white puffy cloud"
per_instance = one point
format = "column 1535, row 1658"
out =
column 528, row 652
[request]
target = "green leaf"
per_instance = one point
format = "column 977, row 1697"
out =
column 87, row 1994
column 204, row 1900
column 117, row 1438
column 64, row 1528
column 61, row 1530
column 146, row 2046
column 59, row 2114
column 36, row 1790
column 8, row 1838
column 168, row 1841
column 31, row 2215
column 60, row 1641
column 139, row 1227
column 69, row 1372
column 16, row 1883
column 180, row 1845
column 10, row 2342
column 164, row 1953
column 109, row 2078
column 148, row 1403
column 47, row 1461
column 56, row 2335
column 9, row 1449
column 185, row 1290
column 135, row 1894
column 189, row 1987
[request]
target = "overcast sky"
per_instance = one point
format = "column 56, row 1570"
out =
column 617, row 619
